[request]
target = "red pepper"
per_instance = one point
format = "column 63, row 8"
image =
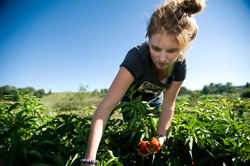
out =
column 143, row 145
column 154, row 145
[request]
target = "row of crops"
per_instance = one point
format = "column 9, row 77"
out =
column 214, row 132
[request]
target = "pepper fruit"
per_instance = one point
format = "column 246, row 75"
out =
column 154, row 145
column 143, row 145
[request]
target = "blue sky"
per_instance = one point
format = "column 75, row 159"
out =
column 60, row 44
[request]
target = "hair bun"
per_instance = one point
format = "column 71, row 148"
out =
column 193, row 6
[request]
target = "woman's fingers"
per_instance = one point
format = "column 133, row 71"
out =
column 142, row 154
column 161, row 140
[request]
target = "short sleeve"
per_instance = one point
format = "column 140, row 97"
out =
column 133, row 63
column 180, row 70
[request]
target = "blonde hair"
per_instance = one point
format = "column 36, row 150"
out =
column 175, row 17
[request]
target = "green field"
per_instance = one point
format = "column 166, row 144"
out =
column 53, row 130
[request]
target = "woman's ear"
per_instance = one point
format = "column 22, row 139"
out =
column 183, row 52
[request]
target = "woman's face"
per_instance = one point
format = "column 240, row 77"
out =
column 164, row 50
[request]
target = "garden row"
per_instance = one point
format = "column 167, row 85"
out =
column 214, row 132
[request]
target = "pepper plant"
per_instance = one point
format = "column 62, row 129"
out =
column 211, row 132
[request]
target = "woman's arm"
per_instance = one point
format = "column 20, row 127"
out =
column 116, row 91
column 168, row 106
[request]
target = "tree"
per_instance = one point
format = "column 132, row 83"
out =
column 218, row 88
column 205, row 90
column 103, row 92
column 82, row 91
column 229, row 88
column 247, row 85
column 7, row 90
column 246, row 91
column 184, row 91
column 39, row 93
column 26, row 90
column 95, row 93
column 50, row 91
column 83, row 88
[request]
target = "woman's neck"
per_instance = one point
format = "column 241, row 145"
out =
column 161, row 74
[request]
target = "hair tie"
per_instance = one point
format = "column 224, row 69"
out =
column 188, row 12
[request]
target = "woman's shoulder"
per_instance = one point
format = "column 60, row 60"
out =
column 140, row 49
column 180, row 70
column 180, row 63
column 136, row 60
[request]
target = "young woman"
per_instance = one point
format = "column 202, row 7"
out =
column 157, row 67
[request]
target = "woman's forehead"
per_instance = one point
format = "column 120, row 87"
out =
column 164, row 41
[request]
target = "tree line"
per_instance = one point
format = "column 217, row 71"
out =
column 219, row 88
column 12, row 90
column 212, row 88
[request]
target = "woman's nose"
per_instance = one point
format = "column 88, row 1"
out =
column 162, row 57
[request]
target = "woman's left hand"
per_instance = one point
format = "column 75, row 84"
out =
column 161, row 140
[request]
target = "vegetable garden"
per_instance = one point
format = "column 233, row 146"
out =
column 211, row 132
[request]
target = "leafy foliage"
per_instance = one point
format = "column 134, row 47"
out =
column 29, row 136
column 219, row 88
column 246, row 93
column 211, row 132
column 7, row 90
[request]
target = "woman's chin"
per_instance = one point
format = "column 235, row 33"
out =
column 162, row 67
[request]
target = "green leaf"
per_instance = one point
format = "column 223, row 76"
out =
column 35, row 155
column 132, row 136
column 190, row 141
column 71, row 160
column 59, row 159
column 153, row 125
column 222, row 155
column 47, row 142
column 115, row 161
column 13, row 106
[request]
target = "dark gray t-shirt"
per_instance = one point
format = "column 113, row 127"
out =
column 139, row 63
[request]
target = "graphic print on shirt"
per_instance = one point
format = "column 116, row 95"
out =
column 147, row 87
